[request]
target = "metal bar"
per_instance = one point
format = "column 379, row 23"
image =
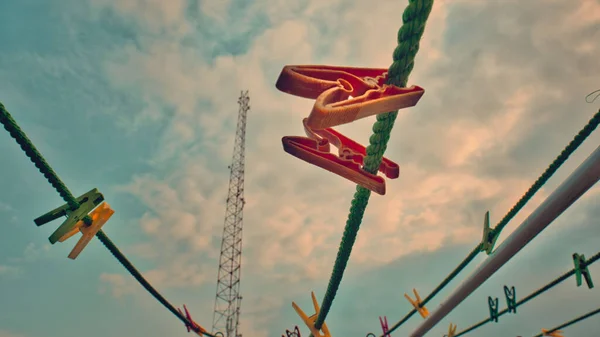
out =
column 581, row 180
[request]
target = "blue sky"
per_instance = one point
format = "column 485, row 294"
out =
column 138, row 98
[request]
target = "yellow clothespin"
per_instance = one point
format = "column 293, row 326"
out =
column 99, row 216
column 556, row 333
column 451, row 330
column 310, row 321
column 417, row 304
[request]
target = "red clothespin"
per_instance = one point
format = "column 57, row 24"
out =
column 197, row 328
column 343, row 95
column 384, row 326
column 315, row 150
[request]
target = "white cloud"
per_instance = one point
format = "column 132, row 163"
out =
column 295, row 213
column 10, row 270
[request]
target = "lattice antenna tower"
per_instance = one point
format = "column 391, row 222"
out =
column 226, row 316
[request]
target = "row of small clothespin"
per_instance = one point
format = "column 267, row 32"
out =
column 343, row 95
column 88, row 219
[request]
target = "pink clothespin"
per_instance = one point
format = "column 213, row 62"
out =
column 384, row 326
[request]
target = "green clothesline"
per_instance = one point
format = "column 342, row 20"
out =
column 532, row 295
column 36, row 157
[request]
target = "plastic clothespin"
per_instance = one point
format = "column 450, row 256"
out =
column 99, row 217
column 310, row 321
column 451, row 330
column 295, row 333
column 511, row 298
column 556, row 333
column 345, row 94
column 347, row 163
column 417, row 304
column 197, row 328
column 87, row 202
column 489, row 235
column 384, row 326
column 493, row 304
column 581, row 269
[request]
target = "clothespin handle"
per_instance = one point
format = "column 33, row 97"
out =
column 493, row 305
column 581, row 269
column 490, row 236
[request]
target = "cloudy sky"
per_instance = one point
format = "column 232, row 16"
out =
column 139, row 99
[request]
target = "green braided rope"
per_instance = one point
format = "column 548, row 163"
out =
column 36, row 157
column 562, row 157
column 554, row 166
column 531, row 296
column 414, row 18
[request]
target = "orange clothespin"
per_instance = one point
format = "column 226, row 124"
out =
column 417, row 304
column 99, row 216
column 197, row 328
column 451, row 330
column 315, row 150
column 345, row 94
column 310, row 321
column 556, row 333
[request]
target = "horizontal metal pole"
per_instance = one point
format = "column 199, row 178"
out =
column 581, row 180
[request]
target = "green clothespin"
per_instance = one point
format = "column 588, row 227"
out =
column 581, row 269
column 511, row 298
column 87, row 203
column 489, row 235
column 493, row 304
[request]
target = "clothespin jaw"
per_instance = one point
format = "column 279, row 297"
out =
column 197, row 328
column 315, row 150
column 384, row 326
column 294, row 333
column 310, row 321
column 451, row 330
column 489, row 235
column 331, row 87
column 511, row 298
column 581, row 269
column 417, row 304
column 493, row 304
column 556, row 333
column 99, row 217
column 87, row 202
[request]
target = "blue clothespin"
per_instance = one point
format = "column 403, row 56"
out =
column 581, row 269
column 489, row 235
column 511, row 299
column 493, row 304
column 87, row 202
